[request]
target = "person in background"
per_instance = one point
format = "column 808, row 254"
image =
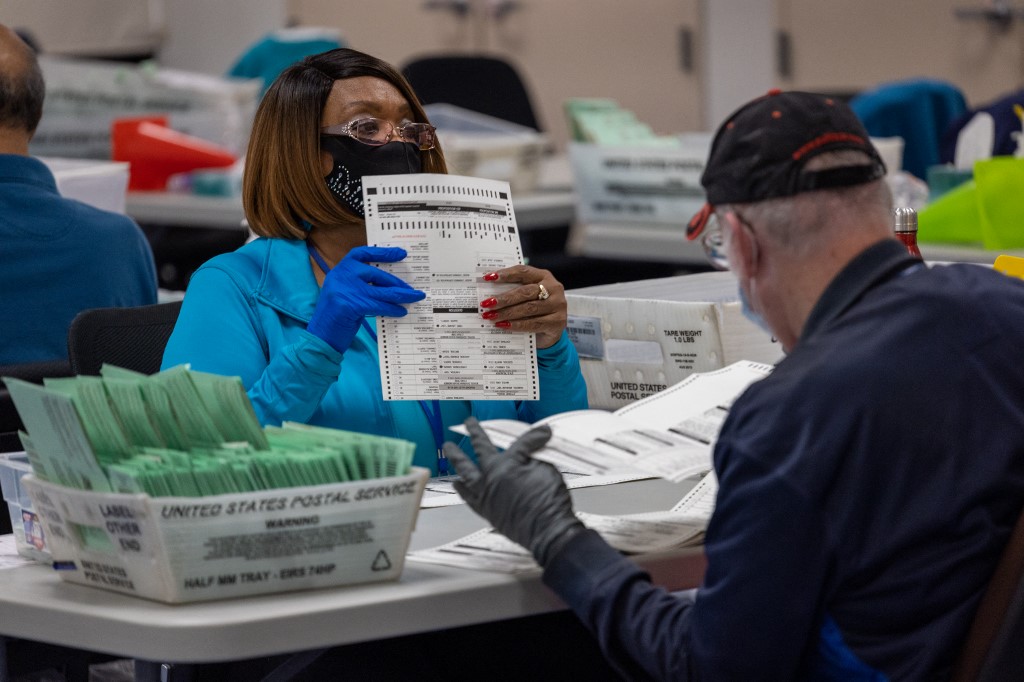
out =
column 868, row 485
column 273, row 53
column 292, row 313
column 58, row 256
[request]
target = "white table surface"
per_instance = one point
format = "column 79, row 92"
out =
column 640, row 241
column 959, row 253
column 550, row 205
column 36, row 604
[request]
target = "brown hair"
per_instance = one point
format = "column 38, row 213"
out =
column 283, row 186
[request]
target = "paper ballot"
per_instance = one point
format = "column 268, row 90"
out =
column 669, row 434
column 454, row 229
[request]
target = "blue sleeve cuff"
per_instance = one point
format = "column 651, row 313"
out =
column 582, row 565
column 557, row 353
column 318, row 355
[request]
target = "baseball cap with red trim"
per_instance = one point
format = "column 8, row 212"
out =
column 760, row 151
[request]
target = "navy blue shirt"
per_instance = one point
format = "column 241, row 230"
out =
column 58, row 257
column 867, row 489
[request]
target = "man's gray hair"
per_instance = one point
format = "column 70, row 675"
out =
column 796, row 223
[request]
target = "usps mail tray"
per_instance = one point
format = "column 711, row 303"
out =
column 187, row 549
column 638, row 338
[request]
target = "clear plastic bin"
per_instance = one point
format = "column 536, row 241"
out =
column 483, row 146
column 640, row 183
column 28, row 531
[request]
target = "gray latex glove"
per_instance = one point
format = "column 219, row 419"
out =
column 523, row 498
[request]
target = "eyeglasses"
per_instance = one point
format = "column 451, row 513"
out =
column 713, row 241
column 377, row 131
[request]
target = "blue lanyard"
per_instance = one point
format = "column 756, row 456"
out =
column 431, row 408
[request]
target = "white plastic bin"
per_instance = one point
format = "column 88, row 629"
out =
column 102, row 184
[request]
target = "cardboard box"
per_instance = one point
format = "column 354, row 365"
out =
column 643, row 184
column 29, row 538
column 637, row 338
column 482, row 146
column 186, row 549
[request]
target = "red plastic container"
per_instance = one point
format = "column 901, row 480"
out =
column 156, row 152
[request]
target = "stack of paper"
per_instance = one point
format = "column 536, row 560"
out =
column 603, row 121
column 682, row 526
column 183, row 433
column 669, row 434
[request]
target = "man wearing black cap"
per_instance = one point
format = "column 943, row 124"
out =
column 867, row 486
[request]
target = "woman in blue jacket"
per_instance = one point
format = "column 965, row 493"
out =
column 293, row 312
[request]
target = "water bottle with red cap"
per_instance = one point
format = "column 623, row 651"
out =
column 904, row 224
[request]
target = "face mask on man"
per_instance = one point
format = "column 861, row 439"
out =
column 751, row 314
column 353, row 160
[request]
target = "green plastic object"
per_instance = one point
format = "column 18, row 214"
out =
column 953, row 218
column 987, row 211
column 1000, row 182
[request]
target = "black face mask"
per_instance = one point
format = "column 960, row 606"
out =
column 353, row 160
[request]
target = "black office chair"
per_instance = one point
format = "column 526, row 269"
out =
column 128, row 337
column 133, row 338
column 10, row 422
column 994, row 650
column 488, row 85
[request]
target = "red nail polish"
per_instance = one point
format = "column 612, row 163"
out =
column 490, row 314
column 491, row 277
column 504, row 324
column 488, row 303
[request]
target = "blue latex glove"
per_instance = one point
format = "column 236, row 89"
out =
column 525, row 499
column 352, row 290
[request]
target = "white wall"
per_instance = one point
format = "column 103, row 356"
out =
column 209, row 35
column 625, row 50
column 610, row 48
column 117, row 27
column 739, row 60
column 856, row 45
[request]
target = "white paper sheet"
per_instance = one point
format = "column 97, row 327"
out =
column 440, row 493
column 641, row 533
column 484, row 550
column 455, row 229
column 700, row 501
